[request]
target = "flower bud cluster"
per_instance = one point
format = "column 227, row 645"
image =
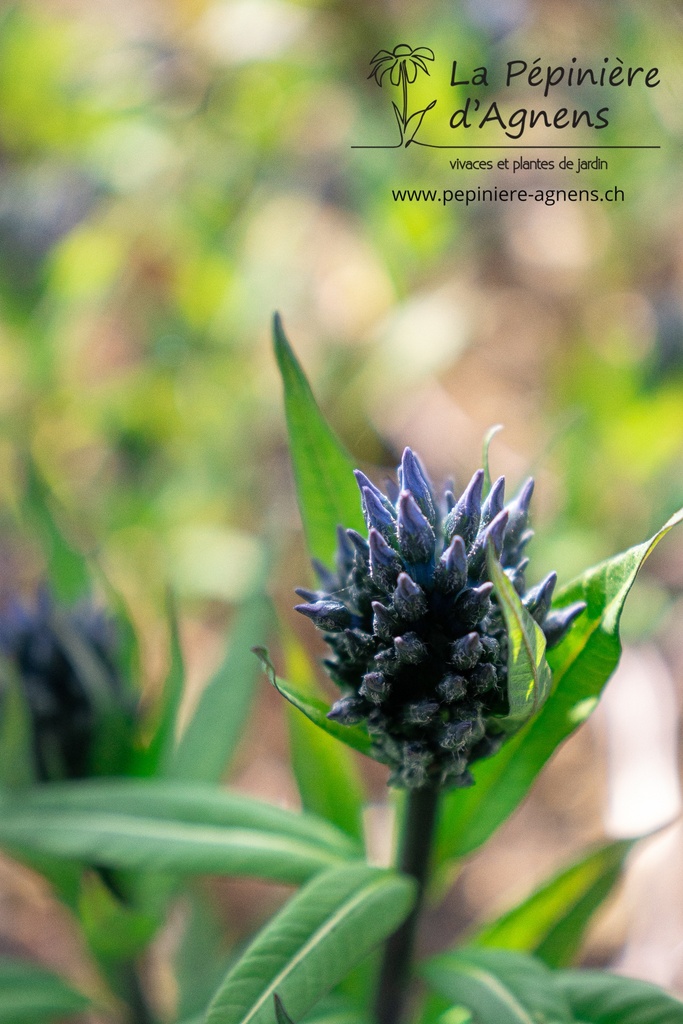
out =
column 64, row 661
column 419, row 645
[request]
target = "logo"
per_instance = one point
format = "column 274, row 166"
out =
column 401, row 66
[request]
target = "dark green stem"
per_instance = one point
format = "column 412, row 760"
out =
column 414, row 856
column 130, row 988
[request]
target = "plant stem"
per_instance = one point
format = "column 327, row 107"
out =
column 139, row 1011
column 413, row 859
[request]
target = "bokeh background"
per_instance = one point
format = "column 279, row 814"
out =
column 172, row 172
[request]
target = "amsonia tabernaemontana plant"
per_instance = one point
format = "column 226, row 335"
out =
column 451, row 669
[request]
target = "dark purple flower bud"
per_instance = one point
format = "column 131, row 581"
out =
column 414, row 480
column 328, row 615
column 364, row 483
column 375, row 687
column 449, row 498
column 415, row 535
column 409, row 599
column 455, row 772
column 464, row 518
column 518, row 509
column 358, row 644
column 466, row 652
column 327, row 578
column 517, row 577
column 385, row 565
column 416, row 760
column 347, row 710
column 421, row 713
column 387, row 660
column 452, row 688
column 308, row 595
column 456, row 735
column 451, row 572
column 393, row 490
column 513, row 555
column 558, row 623
column 483, row 677
column 376, row 515
column 537, row 601
column 493, row 504
column 383, row 622
column 410, row 649
column 495, row 532
column 474, row 604
column 519, row 513
column 491, row 648
column 360, row 545
column 345, row 551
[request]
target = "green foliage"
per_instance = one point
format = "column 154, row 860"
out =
column 551, row 922
column 581, row 666
column 212, row 734
column 600, row 998
column 16, row 750
column 529, row 677
column 326, row 775
column 30, row 994
column 308, row 947
column 499, row 987
column 502, row 987
column 323, row 472
column 170, row 827
column 355, row 736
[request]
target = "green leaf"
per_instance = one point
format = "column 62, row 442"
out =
column 551, row 922
column 29, row 994
column 325, row 772
column 114, row 930
column 67, row 568
column 155, row 826
column 498, row 986
column 334, row 1010
column 488, row 437
column 210, row 739
column 157, row 756
column 581, row 665
column 281, row 1016
column 529, row 677
column 17, row 767
column 355, row 736
column 202, row 956
column 323, row 471
column 599, row 998
column 330, row 925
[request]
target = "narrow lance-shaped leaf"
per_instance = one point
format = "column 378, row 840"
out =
column 29, row 994
column 529, row 678
column 325, row 772
column 67, row 567
column 552, row 921
column 170, row 827
column 354, row 736
column 596, row 997
column 323, row 472
column 210, row 738
column 498, row 986
column 157, row 756
column 581, row 665
column 488, row 438
column 330, row 925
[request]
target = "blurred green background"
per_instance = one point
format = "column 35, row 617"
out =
column 171, row 173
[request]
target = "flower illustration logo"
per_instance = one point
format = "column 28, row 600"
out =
column 402, row 65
